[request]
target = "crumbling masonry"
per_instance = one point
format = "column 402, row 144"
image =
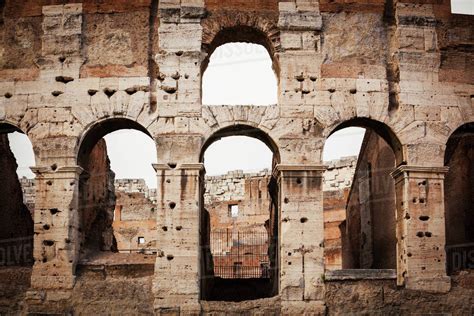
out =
column 72, row 72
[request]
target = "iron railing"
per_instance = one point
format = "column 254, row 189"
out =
column 240, row 255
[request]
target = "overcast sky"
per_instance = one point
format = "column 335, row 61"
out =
column 462, row 6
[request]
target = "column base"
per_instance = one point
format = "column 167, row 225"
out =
column 179, row 306
column 303, row 308
column 433, row 285
column 50, row 302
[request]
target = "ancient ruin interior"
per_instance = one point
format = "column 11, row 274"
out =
column 387, row 231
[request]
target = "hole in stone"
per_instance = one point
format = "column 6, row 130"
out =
column 300, row 78
column 53, row 211
column 407, row 216
column 424, row 218
column 409, row 254
column 414, row 200
column 289, row 254
column 176, row 76
column 353, row 91
column 178, row 228
column 45, row 260
column 286, row 200
column 131, row 91
column 91, row 92
column 8, row 95
column 289, row 263
column 172, row 165
column 423, row 268
column 62, row 59
column 48, row 242
column 172, row 205
column 165, row 228
column 54, row 167
column 46, row 227
column 332, row 90
column 169, row 90
column 64, row 79
column 67, row 241
column 303, row 219
column 424, row 182
column 420, row 234
column 49, row 182
column 179, row 53
column 428, row 234
column 422, row 200
column 298, row 181
column 57, row 93
column 313, row 78
column 170, row 257
column 109, row 92
column 168, row 181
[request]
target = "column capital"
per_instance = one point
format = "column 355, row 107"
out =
column 405, row 170
column 48, row 172
column 300, row 167
column 183, row 166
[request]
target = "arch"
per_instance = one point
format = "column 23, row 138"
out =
column 99, row 129
column 239, row 33
column 241, row 130
column 458, row 196
column 380, row 128
column 455, row 137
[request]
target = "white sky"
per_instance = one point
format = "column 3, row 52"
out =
column 462, row 6
column 240, row 74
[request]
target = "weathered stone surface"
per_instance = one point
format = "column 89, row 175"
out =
column 400, row 68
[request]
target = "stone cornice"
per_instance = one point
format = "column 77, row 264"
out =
column 42, row 171
column 300, row 167
column 405, row 169
column 184, row 166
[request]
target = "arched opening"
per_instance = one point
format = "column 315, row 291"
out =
column 459, row 199
column 239, row 217
column 240, row 69
column 17, row 198
column 359, row 196
column 117, row 193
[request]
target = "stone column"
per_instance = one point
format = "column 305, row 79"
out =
column 56, row 240
column 301, row 238
column 421, row 263
column 177, row 275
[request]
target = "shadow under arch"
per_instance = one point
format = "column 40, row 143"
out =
column 242, row 130
column 455, row 138
column 459, row 199
column 380, row 129
column 16, row 218
column 99, row 129
column 240, row 34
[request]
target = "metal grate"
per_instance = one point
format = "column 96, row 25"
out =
column 240, row 255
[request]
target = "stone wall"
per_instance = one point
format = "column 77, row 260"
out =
column 247, row 191
column 369, row 240
column 98, row 201
column 29, row 193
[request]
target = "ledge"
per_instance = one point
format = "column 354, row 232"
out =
column 361, row 274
